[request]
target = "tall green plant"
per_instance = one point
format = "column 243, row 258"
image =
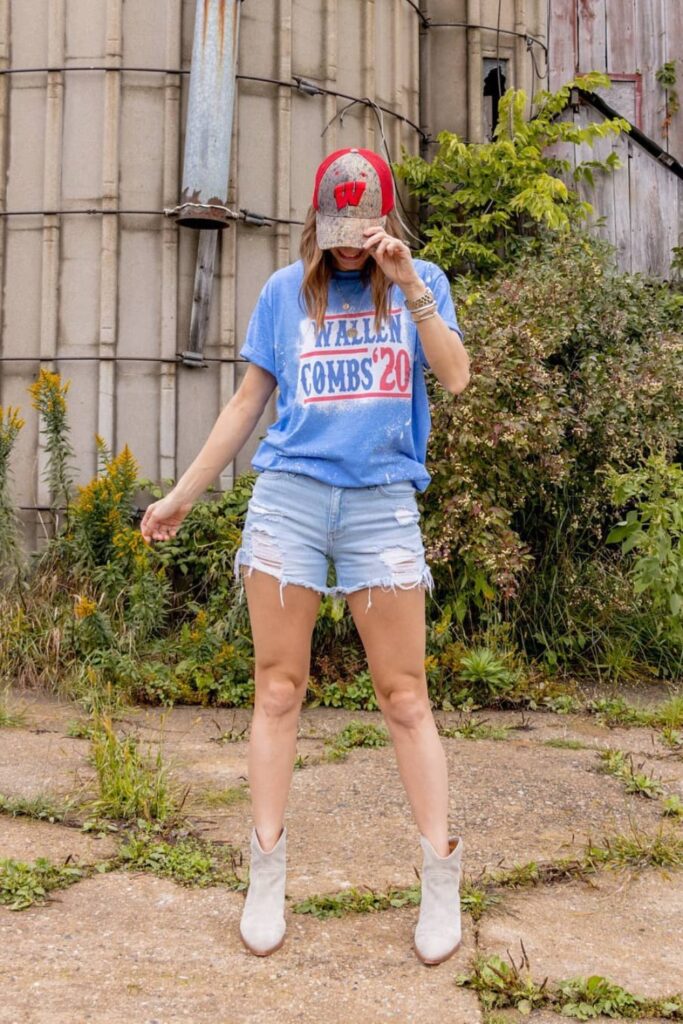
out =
column 10, row 425
column 485, row 199
column 653, row 533
column 49, row 398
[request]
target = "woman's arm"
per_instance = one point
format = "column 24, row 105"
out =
column 229, row 433
column 442, row 346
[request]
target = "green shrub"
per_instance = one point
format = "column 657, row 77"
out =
column 568, row 385
column 487, row 202
column 653, row 531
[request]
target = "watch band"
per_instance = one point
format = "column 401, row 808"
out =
column 425, row 299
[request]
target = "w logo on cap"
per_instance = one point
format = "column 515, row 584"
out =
column 349, row 193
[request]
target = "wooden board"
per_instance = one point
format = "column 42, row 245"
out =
column 561, row 42
column 621, row 42
column 650, row 30
column 592, row 34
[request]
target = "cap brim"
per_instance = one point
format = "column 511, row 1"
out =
column 337, row 232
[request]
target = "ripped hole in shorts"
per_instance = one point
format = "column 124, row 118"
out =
column 405, row 565
column 406, row 515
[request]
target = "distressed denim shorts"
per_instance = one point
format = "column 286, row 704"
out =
column 372, row 535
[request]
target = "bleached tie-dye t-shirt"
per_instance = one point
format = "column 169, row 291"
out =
column 352, row 407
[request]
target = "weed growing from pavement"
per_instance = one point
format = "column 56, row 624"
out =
column 226, row 797
column 615, row 711
column 673, row 806
column 77, row 729
column 502, row 985
column 567, row 744
column 10, row 719
column 42, row 807
column 23, row 884
column 355, row 734
column 129, row 786
column 357, row 900
column 187, row 860
column 640, row 850
column 620, row 765
column 471, row 728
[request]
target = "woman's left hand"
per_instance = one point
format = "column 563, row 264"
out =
column 392, row 255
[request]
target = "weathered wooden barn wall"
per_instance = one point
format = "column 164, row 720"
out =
column 630, row 40
column 80, row 293
column 639, row 207
column 642, row 202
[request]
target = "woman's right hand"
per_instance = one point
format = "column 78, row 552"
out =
column 163, row 518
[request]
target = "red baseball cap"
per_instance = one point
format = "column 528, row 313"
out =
column 354, row 190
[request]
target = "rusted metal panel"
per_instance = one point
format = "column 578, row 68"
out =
column 211, row 103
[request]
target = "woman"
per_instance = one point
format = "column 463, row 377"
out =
column 345, row 332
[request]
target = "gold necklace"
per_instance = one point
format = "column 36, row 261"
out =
column 346, row 306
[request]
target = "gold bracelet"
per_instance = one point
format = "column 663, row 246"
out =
column 427, row 317
column 425, row 299
column 418, row 314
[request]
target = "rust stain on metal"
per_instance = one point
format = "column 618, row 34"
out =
column 206, row 21
column 221, row 24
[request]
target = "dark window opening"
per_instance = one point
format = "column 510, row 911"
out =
column 495, row 79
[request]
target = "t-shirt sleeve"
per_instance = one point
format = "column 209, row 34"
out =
column 440, row 286
column 259, row 344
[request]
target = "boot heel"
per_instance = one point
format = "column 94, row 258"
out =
column 262, row 924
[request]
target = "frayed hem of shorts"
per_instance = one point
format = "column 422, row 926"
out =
column 241, row 558
column 425, row 580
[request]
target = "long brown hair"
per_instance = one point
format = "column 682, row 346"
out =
column 318, row 267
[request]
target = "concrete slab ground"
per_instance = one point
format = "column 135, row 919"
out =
column 141, row 949
column 25, row 839
column 626, row 926
column 131, row 947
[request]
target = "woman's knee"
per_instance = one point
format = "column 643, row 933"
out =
column 407, row 704
column 279, row 693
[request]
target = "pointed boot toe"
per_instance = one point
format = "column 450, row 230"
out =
column 438, row 932
column 262, row 925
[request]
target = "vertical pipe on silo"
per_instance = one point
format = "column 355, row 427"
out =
column 109, row 261
column 284, row 133
column 329, row 139
column 169, row 245
column 522, row 77
column 52, row 164
column 4, row 128
column 227, row 377
column 368, row 33
column 475, row 85
column 423, row 83
column 208, row 138
column 208, row 135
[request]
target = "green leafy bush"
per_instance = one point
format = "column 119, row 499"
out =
column 568, row 385
column 487, row 201
column 653, row 531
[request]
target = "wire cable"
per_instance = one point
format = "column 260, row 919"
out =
column 380, row 120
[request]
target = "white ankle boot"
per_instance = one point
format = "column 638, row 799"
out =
column 262, row 925
column 438, row 931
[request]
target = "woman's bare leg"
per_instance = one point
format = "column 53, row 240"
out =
column 282, row 652
column 393, row 635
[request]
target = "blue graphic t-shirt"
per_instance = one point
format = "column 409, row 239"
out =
column 352, row 407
